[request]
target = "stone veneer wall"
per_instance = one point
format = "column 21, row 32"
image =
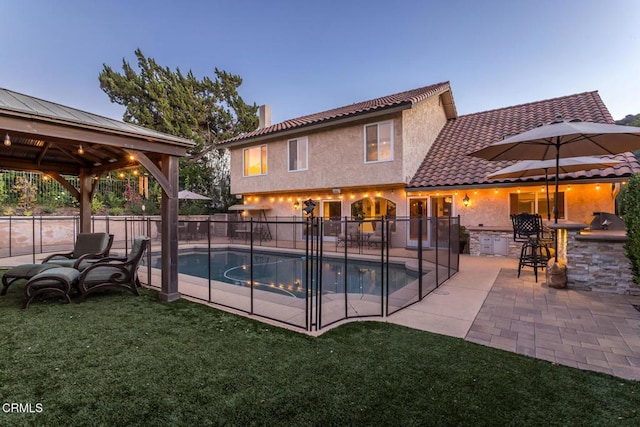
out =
column 599, row 265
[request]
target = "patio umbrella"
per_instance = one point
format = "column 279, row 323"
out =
column 562, row 138
column 544, row 167
column 190, row 195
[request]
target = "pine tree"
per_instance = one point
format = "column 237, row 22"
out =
column 206, row 111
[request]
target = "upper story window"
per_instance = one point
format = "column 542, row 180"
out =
column 298, row 154
column 378, row 142
column 255, row 160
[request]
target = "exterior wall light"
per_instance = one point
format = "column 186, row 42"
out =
column 296, row 205
column 465, row 201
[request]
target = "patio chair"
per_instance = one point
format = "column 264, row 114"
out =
column 351, row 234
column 527, row 228
column 376, row 238
column 88, row 246
column 114, row 272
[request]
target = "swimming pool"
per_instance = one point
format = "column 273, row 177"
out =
column 285, row 273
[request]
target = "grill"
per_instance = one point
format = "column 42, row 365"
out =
column 604, row 221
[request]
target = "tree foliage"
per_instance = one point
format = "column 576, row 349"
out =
column 205, row 110
column 631, row 203
column 629, row 120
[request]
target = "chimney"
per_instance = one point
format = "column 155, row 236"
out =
column 264, row 114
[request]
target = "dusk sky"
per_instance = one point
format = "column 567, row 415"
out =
column 302, row 57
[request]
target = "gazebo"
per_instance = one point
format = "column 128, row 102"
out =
column 57, row 140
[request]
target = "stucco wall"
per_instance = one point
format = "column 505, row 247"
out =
column 491, row 208
column 335, row 160
column 421, row 126
column 281, row 204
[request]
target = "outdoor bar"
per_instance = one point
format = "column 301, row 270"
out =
column 595, row 258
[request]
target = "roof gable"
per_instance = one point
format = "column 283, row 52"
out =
column 403, row 99
column 448, row 164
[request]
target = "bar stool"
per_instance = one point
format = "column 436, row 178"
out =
column 527, row 228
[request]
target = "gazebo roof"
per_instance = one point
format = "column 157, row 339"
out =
column 46, row 136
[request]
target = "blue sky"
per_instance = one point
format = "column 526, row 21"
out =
column 302, row 57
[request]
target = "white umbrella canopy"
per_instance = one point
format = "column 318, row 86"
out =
column 543, row 167
column 527, row 168
column 190, row 195
column 562, row 138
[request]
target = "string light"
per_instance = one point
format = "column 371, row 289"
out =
column 7, row 140
column 80, row 150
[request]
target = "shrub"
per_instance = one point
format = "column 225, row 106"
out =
column 26, row 192
column 96, row 205
column 48, row 209
column 115, row 211
column 631, row 203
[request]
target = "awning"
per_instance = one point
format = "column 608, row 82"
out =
column 249, row 207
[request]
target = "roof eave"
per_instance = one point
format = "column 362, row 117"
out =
column 319, row 125
column 519, row 183
column 169, row 139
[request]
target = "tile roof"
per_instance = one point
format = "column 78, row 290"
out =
column 407, row 98
column 447, row 162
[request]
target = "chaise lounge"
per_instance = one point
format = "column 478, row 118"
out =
column 114, row 272
column 88, row 246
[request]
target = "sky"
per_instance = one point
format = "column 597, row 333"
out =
column 302, row 57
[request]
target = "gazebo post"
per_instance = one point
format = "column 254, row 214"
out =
column 169, row 214
column 85, row 201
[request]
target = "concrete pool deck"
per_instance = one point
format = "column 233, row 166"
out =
column 485, row 303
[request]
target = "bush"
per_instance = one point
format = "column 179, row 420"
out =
column 631, row 203
column 115, row 211
column 96, row 205
column 48, row 209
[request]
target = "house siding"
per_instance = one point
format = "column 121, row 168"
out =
column 336, row 160
column 490, row 207
column 421, row 126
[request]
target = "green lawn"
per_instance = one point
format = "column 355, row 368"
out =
column 121, row 360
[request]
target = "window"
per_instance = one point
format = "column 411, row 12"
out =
column 298, row 154
column 369, row 209
column 378, row 142
column 535, row 203
column 255, row 161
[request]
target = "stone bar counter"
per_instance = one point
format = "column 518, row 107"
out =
column 596, row 260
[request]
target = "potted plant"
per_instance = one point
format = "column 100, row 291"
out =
column 464, row 239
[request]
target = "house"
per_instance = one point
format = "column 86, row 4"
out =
column 449, row 173
column 353, row 159
column 406, row 155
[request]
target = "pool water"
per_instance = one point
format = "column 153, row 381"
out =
column 285, row 273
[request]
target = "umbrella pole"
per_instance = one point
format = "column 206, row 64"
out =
column 555, row 200
column 546, row 181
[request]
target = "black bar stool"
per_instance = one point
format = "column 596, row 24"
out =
column 527, row 228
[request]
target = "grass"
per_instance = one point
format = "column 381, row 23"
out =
column 121, row 360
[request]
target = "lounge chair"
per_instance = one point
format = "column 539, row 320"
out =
column 376, row 238
column 351, row 234
column 88, row 246
column 114, row 272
